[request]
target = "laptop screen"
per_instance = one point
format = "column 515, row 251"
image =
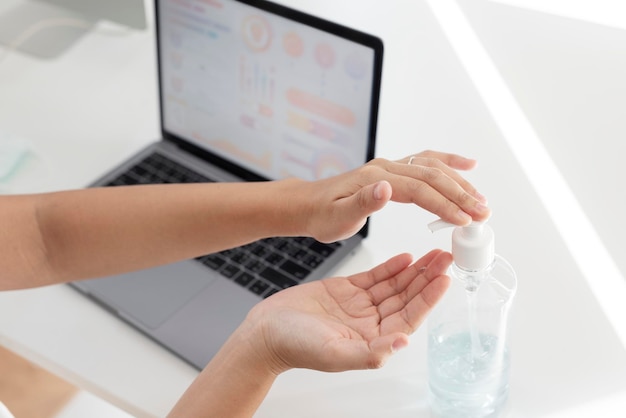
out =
column 275, row 94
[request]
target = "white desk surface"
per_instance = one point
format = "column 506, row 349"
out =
column 97, row 104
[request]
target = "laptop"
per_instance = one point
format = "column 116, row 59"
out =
column 249, row 91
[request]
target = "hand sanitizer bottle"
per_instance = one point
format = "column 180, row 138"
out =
column 468, row 355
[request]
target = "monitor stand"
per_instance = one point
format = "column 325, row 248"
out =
column 48, row 28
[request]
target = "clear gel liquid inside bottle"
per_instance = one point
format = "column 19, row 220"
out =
column 468, row 355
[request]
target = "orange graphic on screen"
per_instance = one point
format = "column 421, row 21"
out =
column 313, row 127
column 321, row 107
column 325, row 55
column 293, row 44
column 320, row 166
column 263, row 160
column 329, row 164
column 213, row 3
column 257, row 33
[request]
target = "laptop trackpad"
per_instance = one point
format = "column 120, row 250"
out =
column 199, row 330
column 151, row 296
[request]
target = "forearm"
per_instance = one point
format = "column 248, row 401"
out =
column 232, row 385
column 98, row 232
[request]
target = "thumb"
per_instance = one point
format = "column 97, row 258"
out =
column 356, row 208
column 384, row 346
column 373, row 197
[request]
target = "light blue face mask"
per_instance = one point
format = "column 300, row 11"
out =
column 13, row 154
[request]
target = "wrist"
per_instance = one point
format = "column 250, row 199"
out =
column 233, row 384
column 292, row 206
column 255, row 336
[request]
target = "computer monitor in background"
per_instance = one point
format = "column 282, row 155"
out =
column 48, row 28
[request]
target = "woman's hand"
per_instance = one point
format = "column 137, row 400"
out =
column 353, row 322
column 340, row 205
column 336, row 324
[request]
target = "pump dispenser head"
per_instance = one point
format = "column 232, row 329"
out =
column 472, row 245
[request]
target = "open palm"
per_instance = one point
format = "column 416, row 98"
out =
column 353, row 322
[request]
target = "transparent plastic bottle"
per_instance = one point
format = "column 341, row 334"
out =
column 468, row 354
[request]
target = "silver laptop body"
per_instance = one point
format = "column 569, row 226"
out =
column 249, row 91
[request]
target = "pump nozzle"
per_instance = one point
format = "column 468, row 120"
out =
column 472, row 245
column 435, row 226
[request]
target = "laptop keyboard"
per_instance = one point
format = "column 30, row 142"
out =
column 263, row 267
column 157, row 169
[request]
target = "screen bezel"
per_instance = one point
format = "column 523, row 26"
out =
column 362, row 38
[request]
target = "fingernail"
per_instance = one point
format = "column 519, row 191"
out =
column 481, row 197
column 464, row 217
column 482, row 207
column 380, row 190
column 398, row 345
column 378, row 193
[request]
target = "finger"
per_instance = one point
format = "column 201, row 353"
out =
column 441, row 188
column 437, row 164
column 410, row 318
column 360, row 354
column 431, row 198
column 448, row 163
column 433, row 190
column 383, row 347
column 435, row 269
column 382, row 272
column 433, row 168
column 372, row 198
column 357, row 354
column 385, row 287
column 419, row 307
column 363, row 203
column 417, row 292
column 455, row 161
